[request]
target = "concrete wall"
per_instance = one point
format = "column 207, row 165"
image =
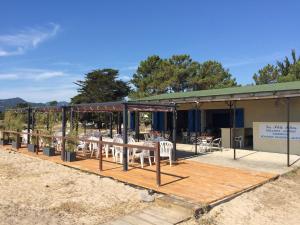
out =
column 271, row 144
column 269, row 110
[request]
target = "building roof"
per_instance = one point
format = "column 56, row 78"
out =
column 276, row 90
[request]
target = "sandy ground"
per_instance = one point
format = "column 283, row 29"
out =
column 33, row 191
column 276, row 203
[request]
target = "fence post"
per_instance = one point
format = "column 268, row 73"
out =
column 157, row 161
column 100, row 154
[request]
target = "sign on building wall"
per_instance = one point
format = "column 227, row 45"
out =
column 279, row 131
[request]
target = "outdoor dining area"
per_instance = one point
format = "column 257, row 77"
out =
column 147, row 159
column 120, row 145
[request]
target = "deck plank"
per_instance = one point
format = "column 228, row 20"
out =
column 197, row 182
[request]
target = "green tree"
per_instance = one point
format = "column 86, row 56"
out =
column 268, row 74
column 176, row 74
column 284, row 71
column 211, row 74
column 52, row 103
column 22, row 105
column 144, row 78
column 101, row 86
column 293, row 75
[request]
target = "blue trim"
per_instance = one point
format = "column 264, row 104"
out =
column 161, row 125
column 191, row 124
column 239, row 118
column 132, row 120
column 197, row 120
column 158, row 121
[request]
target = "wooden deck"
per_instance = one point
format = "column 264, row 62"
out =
column 196, row 182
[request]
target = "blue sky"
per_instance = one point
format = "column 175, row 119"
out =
column 46, row 46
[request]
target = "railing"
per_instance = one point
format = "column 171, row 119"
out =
column 100, row 142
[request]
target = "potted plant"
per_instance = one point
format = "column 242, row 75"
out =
column 14, row 122
column 48, row 149
column 3, row 141
column 33, row 146
column 71, row 145
column 16, row 141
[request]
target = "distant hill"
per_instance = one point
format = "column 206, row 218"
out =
column 9, row 103
column 13, row 102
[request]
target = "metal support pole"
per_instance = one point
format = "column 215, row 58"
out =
column 120, row 122
column 110, row 125
column 233, row 130
column 28, row 124
column 137, row 126
column 288, row 130
column 157, row 162
column 125, row 138
column 63, row 125
column 196, row 128
column 174, row 155
column 100, row 154
column 230, row 122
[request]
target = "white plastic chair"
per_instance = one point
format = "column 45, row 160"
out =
column 146, row 137
column 204, row 145
column 107, row 146
column 118, row 150
column 143, row 153
column 216, row 144
column 239, row 140
column 166, row 148
column 94, row 146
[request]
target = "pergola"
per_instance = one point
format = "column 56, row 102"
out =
column 105, row 107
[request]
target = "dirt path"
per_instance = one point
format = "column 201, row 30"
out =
column 275, row 203
column 34, row 191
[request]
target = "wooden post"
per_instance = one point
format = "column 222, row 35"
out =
column 63, row 141
column 28, row 124
column 48, row 120
column 233, row 130
column 32, row 120
column 125, row 138
column 71, row 120
column 288, row 130
column 157, row 161
column 18, row 141
column 100, row 154
column 37, row 142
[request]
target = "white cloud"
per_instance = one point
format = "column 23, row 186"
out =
column 8, row 76
column 130, row 68
column 255, row 60
column 20, row 42
column 41, row 93
column 32, row 74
